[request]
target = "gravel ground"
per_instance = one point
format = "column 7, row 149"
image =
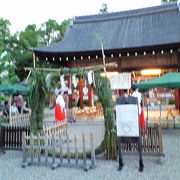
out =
column 10, row 163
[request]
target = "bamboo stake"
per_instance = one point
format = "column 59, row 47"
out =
column 61, row 150
column 68, row 149
column 92, row 151
column 84, row 153
column 76, row 149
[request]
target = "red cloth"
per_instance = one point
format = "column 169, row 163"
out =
column 59, row 113
column 142, row 120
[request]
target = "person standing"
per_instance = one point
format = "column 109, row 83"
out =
column 137, row 94
column 66, row 99
column 5, row 109
column 20, row 103
column 14, row 110
column 125, row 98
column 59, row 108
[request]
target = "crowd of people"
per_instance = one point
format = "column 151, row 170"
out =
column 61, row 102
column 18, row 106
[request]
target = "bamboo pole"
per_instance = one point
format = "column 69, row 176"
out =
column 34, row 60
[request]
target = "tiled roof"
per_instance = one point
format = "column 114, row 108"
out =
column 153, row 26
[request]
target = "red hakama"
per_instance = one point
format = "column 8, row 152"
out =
column 59, row 113
column 142, row 120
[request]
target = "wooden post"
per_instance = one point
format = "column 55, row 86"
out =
column 24, row 147
column 177, row 99
column 31, row 148
column 84, row 153
column 61, row 150
column 160, row 140
column 2, row 138
column 76, row 149
column 90, row 92
column 68, row 149
column 54, row 165
column 92, row 151
column 81, row 92
column 46, row 147
column 39, row 147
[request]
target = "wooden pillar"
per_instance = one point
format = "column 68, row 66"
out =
column 90, row 96
column 177, row 93
column 81, row 93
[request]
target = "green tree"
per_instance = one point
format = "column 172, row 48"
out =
column 52, row 32
column 24, row 41
column 104, row 9
column 167, row 1
column 7, row 61
column 31, row 37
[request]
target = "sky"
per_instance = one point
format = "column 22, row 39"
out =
column 24, row 12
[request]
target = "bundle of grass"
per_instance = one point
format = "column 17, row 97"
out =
column 37, row 101
column 109, row 144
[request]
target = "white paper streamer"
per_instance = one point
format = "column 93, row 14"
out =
column 62, row 81
column 90, row 77
column 74, row 80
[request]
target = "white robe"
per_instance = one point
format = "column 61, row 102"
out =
column 137, row 94
column 60, row 101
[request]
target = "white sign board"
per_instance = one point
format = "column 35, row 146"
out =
column 127, row 120
column 120, row 81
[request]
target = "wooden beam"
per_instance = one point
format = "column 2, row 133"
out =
column 43, row 69
column 99, row 67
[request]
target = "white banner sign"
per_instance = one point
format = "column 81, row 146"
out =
column 127, row 120
column 120, row 81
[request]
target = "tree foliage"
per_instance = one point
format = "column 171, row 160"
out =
column 7, row 60
column 104, row 9
column 51, row 31
column 15, row 50
column 168, row 1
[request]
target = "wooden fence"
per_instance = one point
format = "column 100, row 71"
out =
column 11, row 138
column 165, row 122
column 151, row 138
column 56, row 128
column 20, row 119
column 11, row 134
column 36, row 150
